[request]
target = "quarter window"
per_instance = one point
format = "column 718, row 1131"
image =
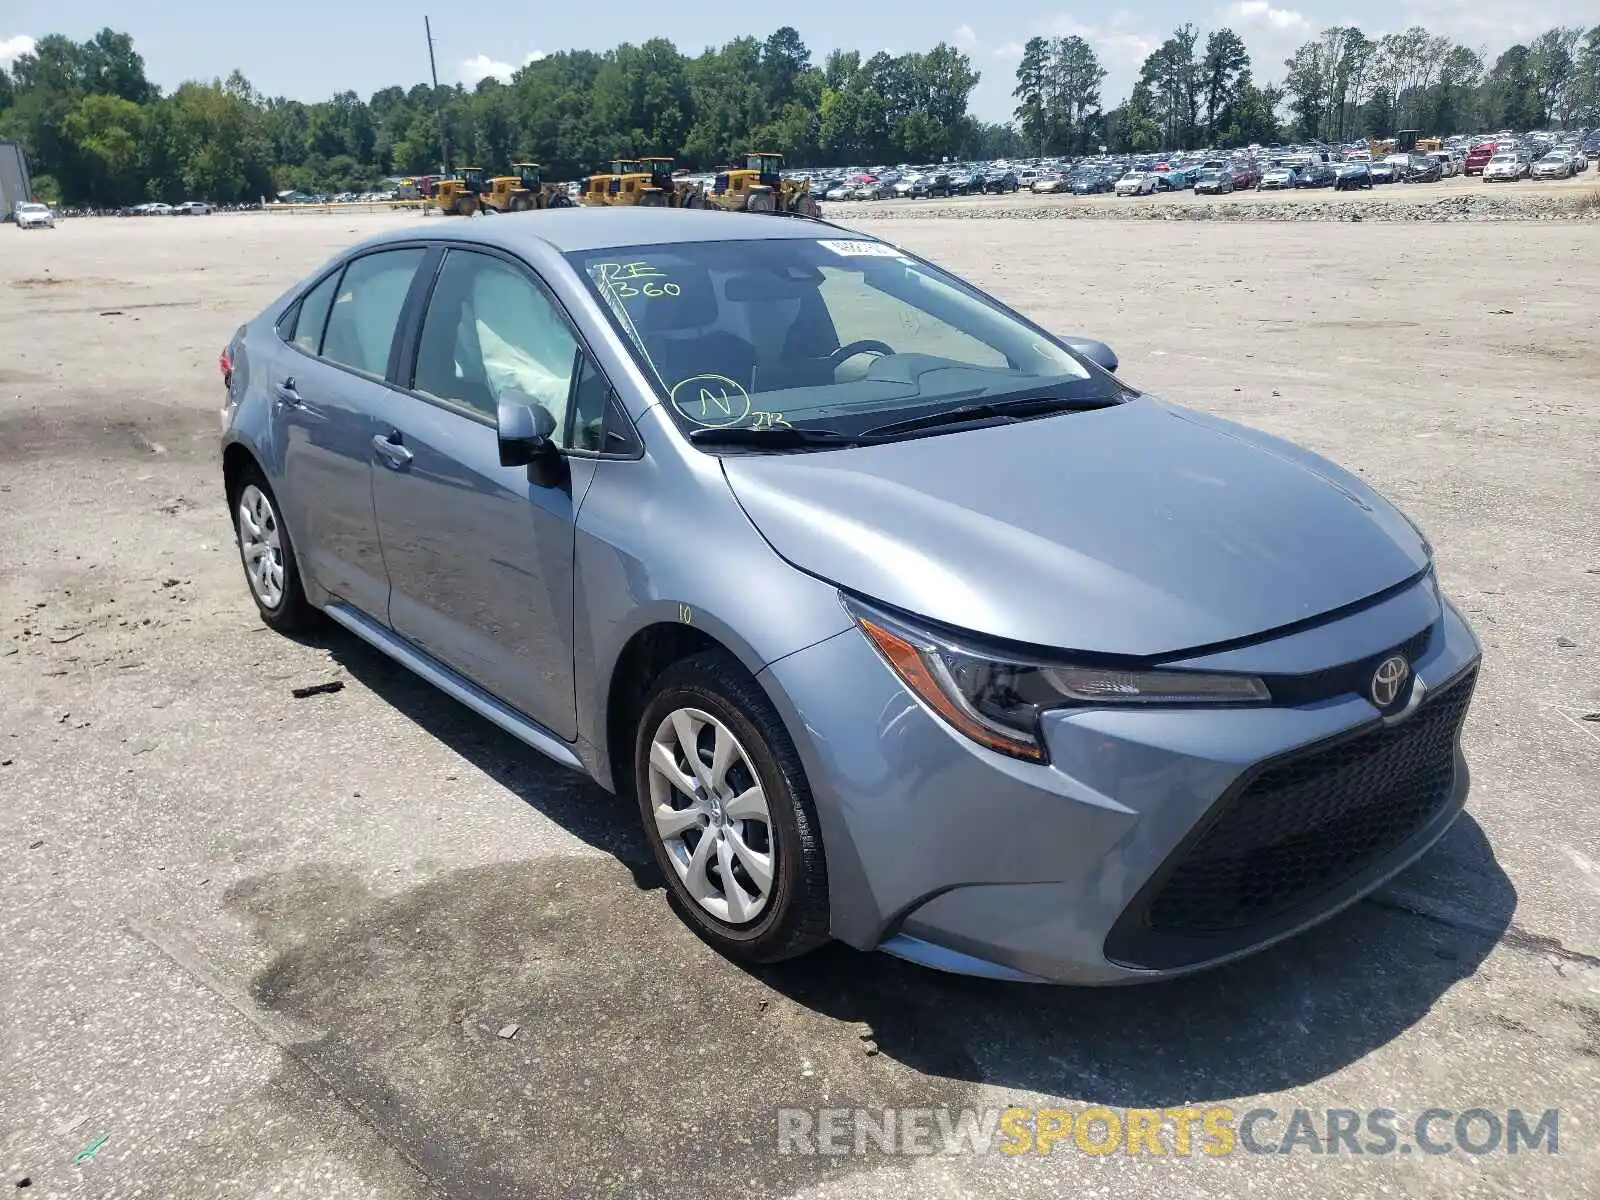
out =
column 366, row 310
column 306, row 329
column 491, row 334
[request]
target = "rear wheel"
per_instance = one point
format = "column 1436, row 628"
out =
column 805, row 205
column 466, row 206
column 728, row 813
column 521, row 203
column 268, row 556
column 760, row 200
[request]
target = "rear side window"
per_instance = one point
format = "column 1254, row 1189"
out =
column 366, row 309
column 305, row 330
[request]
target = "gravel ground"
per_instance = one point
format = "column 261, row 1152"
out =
column 1457, row 199
column 261, row 945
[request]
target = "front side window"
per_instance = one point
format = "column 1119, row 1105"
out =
column 492, row 334
column 366, row 310
column 827, row 333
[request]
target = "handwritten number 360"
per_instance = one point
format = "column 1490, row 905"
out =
column 627, row 290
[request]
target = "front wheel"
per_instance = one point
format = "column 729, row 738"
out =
column 728, row 813
column 760, row 200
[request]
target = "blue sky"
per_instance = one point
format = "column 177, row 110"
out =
column 308, row 49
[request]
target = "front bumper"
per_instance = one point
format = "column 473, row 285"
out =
column 1096, row 869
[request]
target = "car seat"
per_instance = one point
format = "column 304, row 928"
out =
column 680, row 333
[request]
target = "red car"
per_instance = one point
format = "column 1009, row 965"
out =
column 1478, row 158
column 1246, row 174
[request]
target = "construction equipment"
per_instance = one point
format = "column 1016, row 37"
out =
column 761, row 186
column 524, row 190
column 462, row 193
column 646, row 181
column 1429, row 145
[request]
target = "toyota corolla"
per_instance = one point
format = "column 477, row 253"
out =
column 903, row 620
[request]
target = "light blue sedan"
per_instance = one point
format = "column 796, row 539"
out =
column 903, row 620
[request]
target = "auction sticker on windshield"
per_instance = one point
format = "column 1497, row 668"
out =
column 852, row 249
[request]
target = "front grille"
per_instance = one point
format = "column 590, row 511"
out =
column 1299, row 827
column 1349, row 678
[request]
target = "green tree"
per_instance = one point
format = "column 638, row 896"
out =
column 108, row 135
column 1225, row 64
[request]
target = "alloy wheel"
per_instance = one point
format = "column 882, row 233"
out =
column 261, row 545
column 711, row 813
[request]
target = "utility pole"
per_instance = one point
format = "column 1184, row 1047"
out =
column 444, row 137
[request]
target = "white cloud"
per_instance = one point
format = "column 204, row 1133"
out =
column 480, row 67
column 1258, row 11
column 1008, row 50
column 965, row 37
column 13, row 48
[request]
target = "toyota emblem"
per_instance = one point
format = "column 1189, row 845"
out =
column 1389, row 680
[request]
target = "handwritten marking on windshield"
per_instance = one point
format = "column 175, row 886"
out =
column 711, row 401
column 630, row 279
column 769, row 420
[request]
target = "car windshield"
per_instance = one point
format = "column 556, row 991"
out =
column 828, row 333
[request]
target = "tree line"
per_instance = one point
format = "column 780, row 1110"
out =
column 98, row 132
column 1339, row 86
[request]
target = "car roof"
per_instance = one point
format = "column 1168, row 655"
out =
column 597, row 228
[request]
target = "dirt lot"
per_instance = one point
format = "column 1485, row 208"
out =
column 255, row 944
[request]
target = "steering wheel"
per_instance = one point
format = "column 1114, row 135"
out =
column 866, row 346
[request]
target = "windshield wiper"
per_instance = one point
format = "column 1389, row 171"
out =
column 996, row 410
column 783, row 437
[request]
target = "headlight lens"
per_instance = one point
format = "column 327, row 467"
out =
column 997, row 701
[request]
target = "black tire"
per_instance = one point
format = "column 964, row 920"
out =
column 760, row 200
column 560, row 200
column 521, row 203
column 795, row 918
column 293, row 612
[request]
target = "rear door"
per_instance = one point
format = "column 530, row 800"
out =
column 480, row 559
column 327, row 387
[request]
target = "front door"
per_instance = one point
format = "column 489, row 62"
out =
column 480, row 559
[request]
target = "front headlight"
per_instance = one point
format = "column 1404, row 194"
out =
column 997, row 700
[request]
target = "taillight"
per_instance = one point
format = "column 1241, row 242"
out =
column 225, row 364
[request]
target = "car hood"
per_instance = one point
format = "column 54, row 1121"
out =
column 1143, row 529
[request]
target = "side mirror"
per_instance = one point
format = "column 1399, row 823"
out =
column 1096, row 352
column 527, row 438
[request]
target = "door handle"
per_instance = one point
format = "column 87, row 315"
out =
column 287, row 395
column 396, row 455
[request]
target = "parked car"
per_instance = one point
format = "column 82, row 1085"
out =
column 1175, row 179
column 840, row 191
column 193, row 208
column 1049, row 183
column 1009, row 730
column 1246, row 174
column 1316, row 174
column 911, row 187
column 1137, row 183
column 1276, row 178
column 1382, row 172
column 1558, row 164
column 1000, row 182
column 1089, row 182
column 1213, row 181
column 1508, row 166
column 1422, row 168
column 940, row 184
column 1352, row 177
column 30, row 214
column 1478, row 157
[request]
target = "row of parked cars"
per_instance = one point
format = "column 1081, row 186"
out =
column 1357, row 165
column 189, row 208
